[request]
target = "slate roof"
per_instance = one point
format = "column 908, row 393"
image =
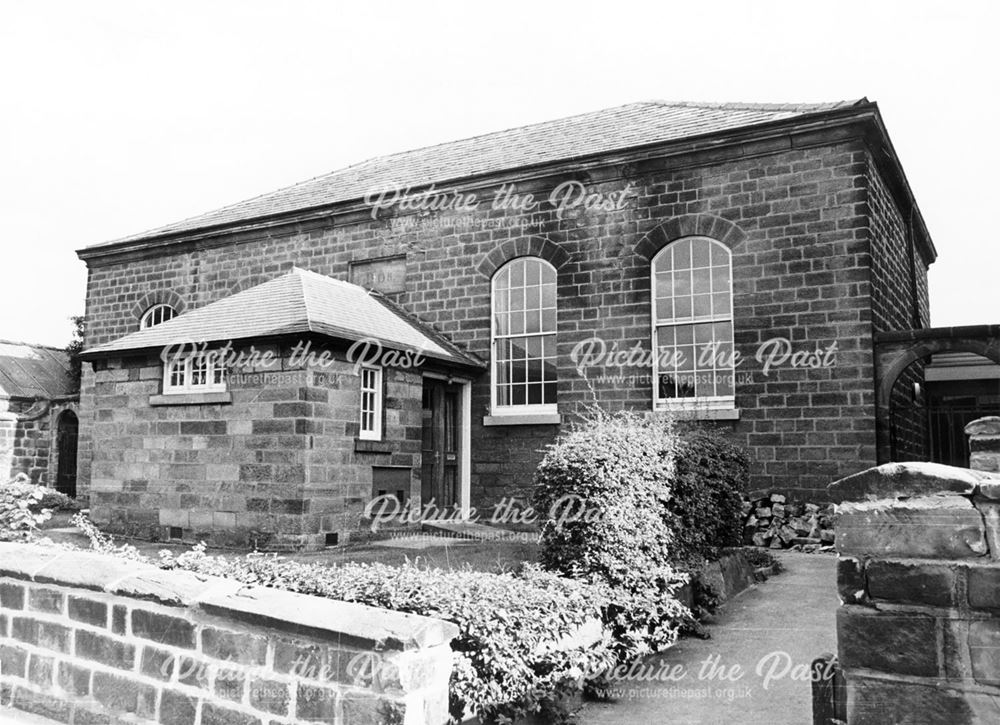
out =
column 298, row 302
column 33, row 371
column 612, row 129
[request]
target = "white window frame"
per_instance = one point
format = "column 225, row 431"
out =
column 692, row 404
column 147, row 319
column 528, row 409
column 374, row 389
column 214, row 374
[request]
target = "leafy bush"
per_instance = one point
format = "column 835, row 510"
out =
column 21, row 511
column 506, row 662
column 600, row 494
column 704, row 511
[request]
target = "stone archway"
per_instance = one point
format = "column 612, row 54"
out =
column 896, row 351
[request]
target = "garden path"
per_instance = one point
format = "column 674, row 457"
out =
column 772, row 632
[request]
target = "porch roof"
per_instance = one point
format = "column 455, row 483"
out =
column 299, row 302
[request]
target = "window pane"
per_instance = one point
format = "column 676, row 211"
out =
column 517, row 273
column 720, row 255
column 519, row 394
column 549, row 295
column 702, row 334
column 664, row 309
column 700, row 251
column 682, row 283
column 720, row 279
column 700, row 280
column 668, row 388
column 664, row 285
column 702, row 305
column 533, row 322
column 682, row 254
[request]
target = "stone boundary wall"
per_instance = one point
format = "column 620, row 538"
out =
column 918, row 629
column 90, row 639
column 984, row 443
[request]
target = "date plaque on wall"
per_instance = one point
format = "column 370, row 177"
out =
column 384, row 274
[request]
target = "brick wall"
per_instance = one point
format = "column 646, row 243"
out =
column 801, row 262
column 919, row 582
column 893, row 292
column 278, row 466
column 86, row 638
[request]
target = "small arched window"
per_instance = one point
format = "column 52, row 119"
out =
column 693, row 324
column 524, row 337
column 155, row 315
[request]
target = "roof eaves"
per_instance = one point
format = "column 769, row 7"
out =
column 179, row 236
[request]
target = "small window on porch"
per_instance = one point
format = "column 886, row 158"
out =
column 201, row 373
column 371, row 404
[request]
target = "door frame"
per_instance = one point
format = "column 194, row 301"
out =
column 465, row 452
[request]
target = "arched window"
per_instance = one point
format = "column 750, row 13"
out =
column 155, row 315
column 693, row 324
column 524, row 337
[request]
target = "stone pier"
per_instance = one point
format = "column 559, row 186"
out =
column 918, row 629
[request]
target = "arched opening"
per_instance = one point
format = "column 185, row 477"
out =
column 917, row 419
column 67, row 433
column 959, row 387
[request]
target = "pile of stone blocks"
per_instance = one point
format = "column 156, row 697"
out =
column 772, row 521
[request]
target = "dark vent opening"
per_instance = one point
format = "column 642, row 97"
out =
column 331, row 539
column 176, row 532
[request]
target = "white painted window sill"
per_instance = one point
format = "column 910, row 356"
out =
column 523, row 419
column 702, row 413
column 191, row 399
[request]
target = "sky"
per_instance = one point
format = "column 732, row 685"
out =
column 118, row 117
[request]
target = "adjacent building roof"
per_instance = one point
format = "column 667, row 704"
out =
column 299, row 302
column 33, row 371
column 611, row 129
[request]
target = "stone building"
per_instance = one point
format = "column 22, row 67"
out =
column 38, row 416
column 758, row 249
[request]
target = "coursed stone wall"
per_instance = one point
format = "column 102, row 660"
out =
column 275, row 465
column 919, row 580
column 802, row 247
column 90, row 639
column 984, row 443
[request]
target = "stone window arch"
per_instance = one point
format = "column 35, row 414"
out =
column 150, row 300
column 540, row 247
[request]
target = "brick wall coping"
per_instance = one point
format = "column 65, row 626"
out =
column 914, row 479
column 299, row 613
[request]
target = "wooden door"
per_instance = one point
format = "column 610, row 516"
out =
column 441, row 441
column 67, row 427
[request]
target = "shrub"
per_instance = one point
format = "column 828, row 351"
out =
column 21, row 511
column 705, row 507
column 600, row 493
column 506, row 662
